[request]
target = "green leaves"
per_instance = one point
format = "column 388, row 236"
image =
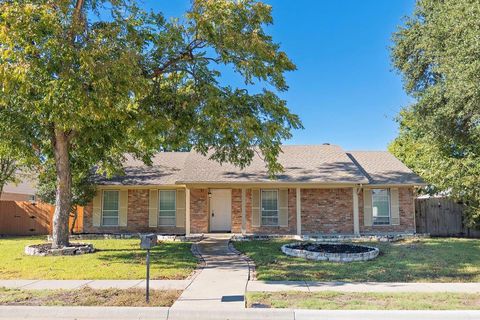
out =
column 116, row 79
column 437, row 53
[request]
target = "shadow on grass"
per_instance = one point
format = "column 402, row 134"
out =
column 166, row 257
column 118, row 250
column 431, row 260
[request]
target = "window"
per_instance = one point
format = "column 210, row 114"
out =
column 110, row 208
column 269, row 208
column 381, row 206
column 167, row 208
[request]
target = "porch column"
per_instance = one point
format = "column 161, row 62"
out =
column 299, row 211
column 244, row 211
column 187, row 211
column 356, row 223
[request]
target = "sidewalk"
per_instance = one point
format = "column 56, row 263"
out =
column 272, row 286
column 315, row 286
column 94, row 284
column 127, row 313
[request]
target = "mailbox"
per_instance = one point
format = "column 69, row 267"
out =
column 148, row 241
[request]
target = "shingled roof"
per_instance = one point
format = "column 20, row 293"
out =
column 166, row 169
column 316, row 164
column 381, row 167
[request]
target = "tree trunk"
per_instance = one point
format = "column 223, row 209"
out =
column 63, row 196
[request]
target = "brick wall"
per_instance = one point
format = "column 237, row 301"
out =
column 199, row 210
column 137, row 217
column 89, row 228
column 406, row 203
column 292, row 218
column 323, row 211
column 137, row 214
column 327, row 211
column 236, row 210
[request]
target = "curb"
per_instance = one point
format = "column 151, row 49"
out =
column 164, row 313
column 201, row 263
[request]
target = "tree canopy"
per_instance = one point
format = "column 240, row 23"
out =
column 104, row 78
column 438, row 54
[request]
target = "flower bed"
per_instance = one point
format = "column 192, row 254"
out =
column 336, row 252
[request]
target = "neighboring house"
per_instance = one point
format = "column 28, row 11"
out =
column 22, row 191
column 323, row 190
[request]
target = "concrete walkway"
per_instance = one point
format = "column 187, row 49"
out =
column 130, row 313
column 222, row 282
column 314, row 286
column 272, row 286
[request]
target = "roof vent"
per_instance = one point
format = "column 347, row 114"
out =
column 326, row 144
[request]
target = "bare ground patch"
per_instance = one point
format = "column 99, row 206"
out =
column 88, row 297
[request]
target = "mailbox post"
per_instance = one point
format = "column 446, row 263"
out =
column 148, row 241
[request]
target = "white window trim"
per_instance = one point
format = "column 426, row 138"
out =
column 261, row 209
column 118, row 210
column 175, row 210
column 389, row 209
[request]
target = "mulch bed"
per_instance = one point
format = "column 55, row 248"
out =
column 331, row 248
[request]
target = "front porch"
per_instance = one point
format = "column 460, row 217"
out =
column 292, row 211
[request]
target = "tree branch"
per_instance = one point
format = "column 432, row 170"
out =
column 76, row 18
column 186, row 54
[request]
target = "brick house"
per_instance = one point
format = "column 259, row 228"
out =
column 323, row 190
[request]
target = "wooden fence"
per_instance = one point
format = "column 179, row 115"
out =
column 26, row 218
column 442, row 217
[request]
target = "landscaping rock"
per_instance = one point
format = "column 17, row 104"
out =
column 338, row 252
column 45, row 249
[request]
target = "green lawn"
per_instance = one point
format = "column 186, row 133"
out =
column 329, row 300
column 114, row 259
column 424, row 260
column 88, row 297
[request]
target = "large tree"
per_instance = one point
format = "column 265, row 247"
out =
column 105, row 78
column 437, row 52
column 83, row 188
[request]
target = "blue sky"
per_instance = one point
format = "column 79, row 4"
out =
column 345, row 90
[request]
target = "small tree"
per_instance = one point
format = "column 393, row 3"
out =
column 104, row 78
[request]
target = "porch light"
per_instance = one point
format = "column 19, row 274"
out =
column 209, row 194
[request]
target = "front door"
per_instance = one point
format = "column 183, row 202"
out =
column 221, row 210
